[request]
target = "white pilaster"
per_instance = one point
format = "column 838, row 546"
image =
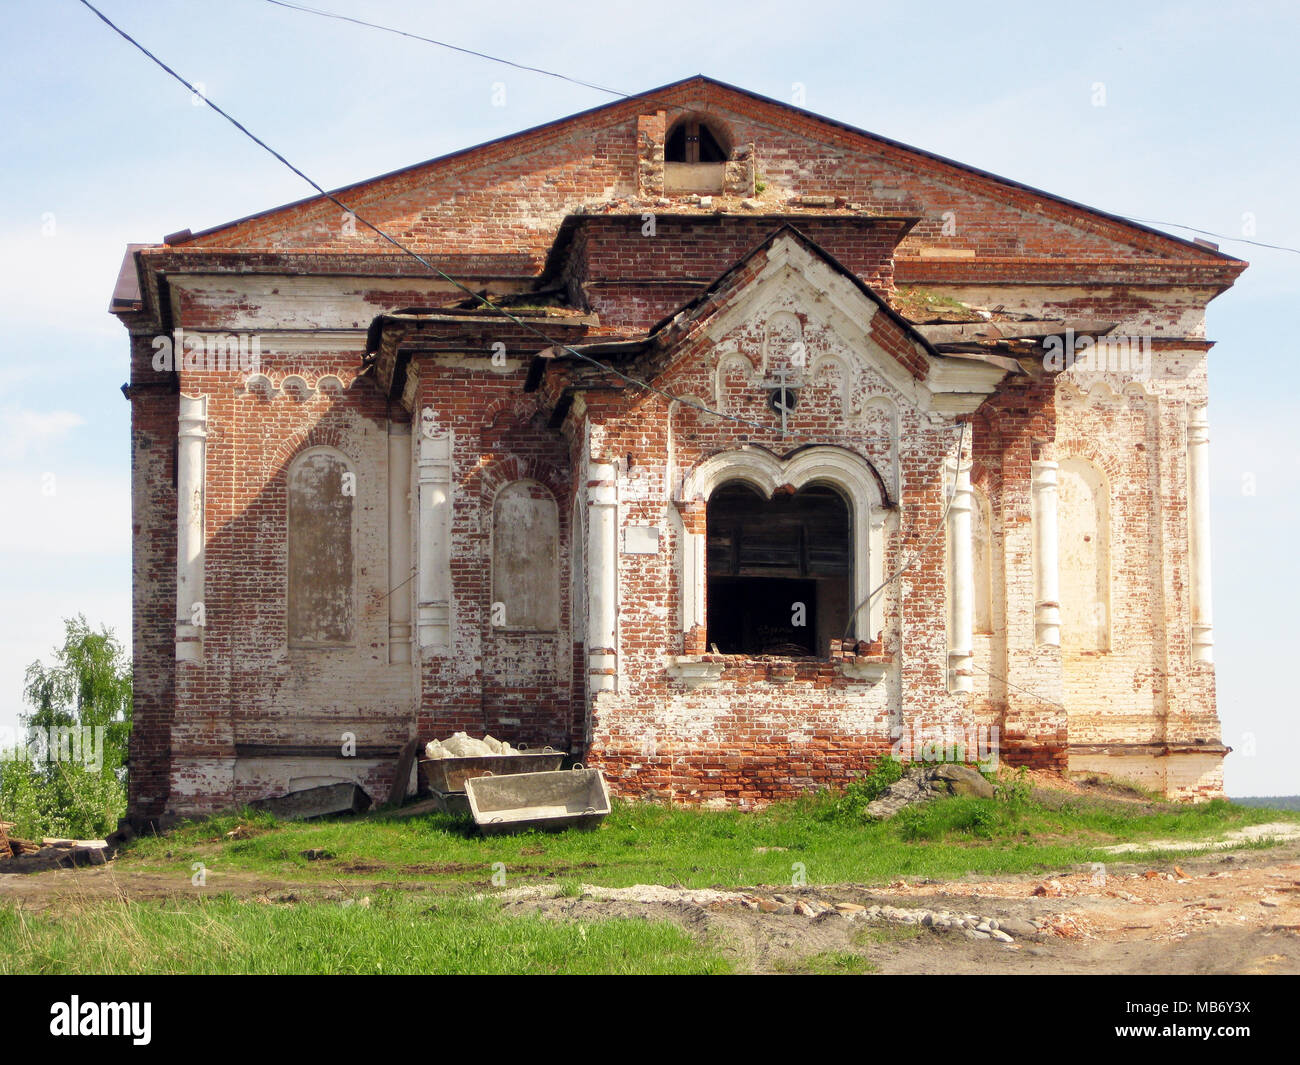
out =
column 1047, row 579
column 693, row 579
column 961, row 584
column 434, row 582
column 602, row 578
column 399, row 542
column 1198, row 531
column 191, row 464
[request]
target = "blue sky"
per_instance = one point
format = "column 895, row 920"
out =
column 98, row 147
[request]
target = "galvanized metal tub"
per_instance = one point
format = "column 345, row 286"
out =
column 450, row 774
column 452, row 802
column 576, row 798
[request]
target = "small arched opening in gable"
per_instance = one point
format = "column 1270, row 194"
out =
column 696, row 151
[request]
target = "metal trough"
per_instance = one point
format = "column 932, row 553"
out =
column 450, row 774
column 341, row 798
column 576, row 798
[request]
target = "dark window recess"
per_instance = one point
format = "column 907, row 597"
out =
column 779, row 570
column 693, row 142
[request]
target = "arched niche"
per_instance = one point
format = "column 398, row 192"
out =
column 525, row 559
column 1084, row 555
column 320, row 600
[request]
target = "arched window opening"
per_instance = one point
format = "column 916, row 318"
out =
column 780, row 570
column 1084, row 530
column 525, row 559
column 695, row 158
column 692, row 141
column 322, row 490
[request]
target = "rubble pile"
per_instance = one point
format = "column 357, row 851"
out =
column 924, row 783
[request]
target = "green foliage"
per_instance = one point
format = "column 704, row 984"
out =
column 87, row 688
column 1016, row 790
column 832, row 963
column 978, row 818
column 851, row 804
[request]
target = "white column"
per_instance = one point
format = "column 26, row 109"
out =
column 1047, row 581
column 961, row 585
column 1198, row 531
column 874, row 612
column 399, row 542
column 602, row 578
column 434, row 582
column 694, row 578
column 191, row 462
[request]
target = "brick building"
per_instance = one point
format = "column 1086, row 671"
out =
column 797, row 444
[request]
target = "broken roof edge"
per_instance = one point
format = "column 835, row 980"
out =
column 657, row 336
column 705, row 81
column 128, row 295
column 788, row 228
column 574, row 220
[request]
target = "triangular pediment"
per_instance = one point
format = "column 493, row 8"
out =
column 788, row 313
column 536, row 177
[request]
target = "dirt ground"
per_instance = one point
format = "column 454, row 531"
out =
column 1232, row 912
column 1235, row 910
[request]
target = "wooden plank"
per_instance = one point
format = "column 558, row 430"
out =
column 405, row 760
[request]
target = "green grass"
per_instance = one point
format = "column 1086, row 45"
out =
column 877, row 934
column 450, row 923
column 646, row 843
column 396, row 933
column 832, row 963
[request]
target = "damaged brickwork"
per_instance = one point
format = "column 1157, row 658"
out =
column 529, row 551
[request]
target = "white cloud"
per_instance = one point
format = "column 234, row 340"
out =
column 49, row 512
column 24, row 432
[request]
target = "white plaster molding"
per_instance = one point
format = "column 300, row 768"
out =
column 865, row 672
column 694, row 673
column 191, row 464
column 435, row 498
column 294, row 386
column 602, row 577
column 1047, row 580
column 961, row 581
column 726, row 361
column 399, row 543
column 952, row 386
column 836, row 466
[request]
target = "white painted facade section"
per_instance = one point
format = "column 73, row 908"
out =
column 602, row 577
column 961, row 582
column 191, row 463
column 434, row 609
column 399, row 543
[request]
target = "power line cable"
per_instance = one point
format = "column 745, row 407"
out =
column 431, row 267
column 444, row 44
column 1031, row 694
column 1207, row 233
column 618, row 92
